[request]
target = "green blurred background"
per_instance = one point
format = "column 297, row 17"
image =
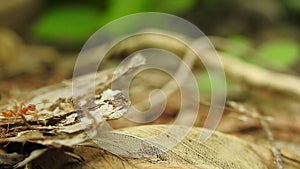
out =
column 73, row 21
column 265, row 33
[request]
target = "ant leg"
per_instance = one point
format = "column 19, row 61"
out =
column 7, row 129
column 36, row 117
column 16, row 107
column 25, row 122
column 15, row 118
column 22, row 109
column 20, row 113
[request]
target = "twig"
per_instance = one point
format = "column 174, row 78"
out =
column 274, row 148
column 234, row 68
column 260, row 77
column 239, row 108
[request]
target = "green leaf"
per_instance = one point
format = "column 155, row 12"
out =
column 75, row 23
column 174, row 6
column 204, row 84
column 239, row 45
column 67, row 23
column 117, row 8
column 280, row 54
column 293, row 5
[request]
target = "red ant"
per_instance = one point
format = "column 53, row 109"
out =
column 20, row 111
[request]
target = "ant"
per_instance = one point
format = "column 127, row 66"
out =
column 20, row 111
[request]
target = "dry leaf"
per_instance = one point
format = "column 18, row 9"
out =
column 133, row 150
column 60, row 121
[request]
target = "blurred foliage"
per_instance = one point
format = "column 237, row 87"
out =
column 293, row 5
column 238, row 45
column 204, row 81
column 75, row 22
column 276, row 54
column 67, row 22
column 279, row 54
column 275, row 22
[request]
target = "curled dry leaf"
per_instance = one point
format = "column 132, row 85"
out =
column 132, row 149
